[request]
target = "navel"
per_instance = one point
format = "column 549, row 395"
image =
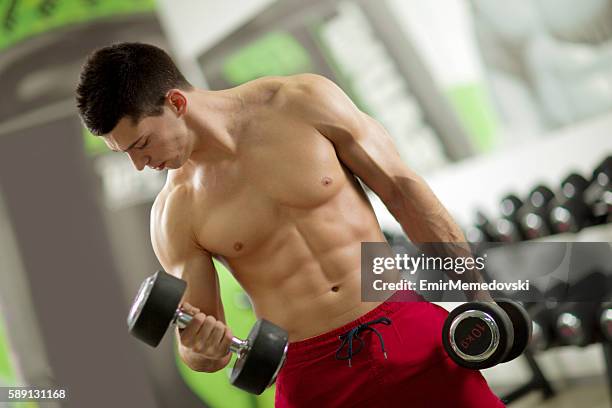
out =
column 238, row 246
column 335, row 288
column 326, row 181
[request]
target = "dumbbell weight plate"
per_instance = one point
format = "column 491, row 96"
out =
column 533, row 216
column 477, row 335
column 506, row 229
column 605, row 312
column 510, row 206
column 154, row 308
column 257, row 367
column 521, row 323
column 577, row 318
column 605, row 320
column 569, row 213
column 598, row 195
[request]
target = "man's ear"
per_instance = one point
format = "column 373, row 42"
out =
column 177, row 100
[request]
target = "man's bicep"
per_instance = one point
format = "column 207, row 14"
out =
column 203, row 290
column 180, row 256
column 369, row 152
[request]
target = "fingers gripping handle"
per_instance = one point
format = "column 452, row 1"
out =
column 237, row 346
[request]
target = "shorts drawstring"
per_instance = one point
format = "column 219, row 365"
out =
column 354, row 334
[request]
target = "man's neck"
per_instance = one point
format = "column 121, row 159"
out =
column 213, row 120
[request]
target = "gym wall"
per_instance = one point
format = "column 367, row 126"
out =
column 63, row 301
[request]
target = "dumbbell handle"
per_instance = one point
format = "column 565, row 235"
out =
column 237, row 346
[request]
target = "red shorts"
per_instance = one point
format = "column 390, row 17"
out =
column 416, row 373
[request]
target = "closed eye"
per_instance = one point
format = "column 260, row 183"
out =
column 145, row 143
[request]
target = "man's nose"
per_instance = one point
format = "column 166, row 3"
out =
column 139, row 161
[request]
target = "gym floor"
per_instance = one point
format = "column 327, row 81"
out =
column 591, row 395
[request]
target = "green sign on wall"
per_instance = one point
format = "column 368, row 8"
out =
column 275, row 53
column 20, row 19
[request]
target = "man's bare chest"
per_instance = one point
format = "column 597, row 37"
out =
column 271, row 189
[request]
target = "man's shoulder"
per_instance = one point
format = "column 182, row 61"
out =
column 172, row 232
column 309, row 96
column 302, row 86
column 171, row 201
column 282, row 89
column 316, row 99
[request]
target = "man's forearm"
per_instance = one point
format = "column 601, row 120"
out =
column 421, row 214
column 426, row 221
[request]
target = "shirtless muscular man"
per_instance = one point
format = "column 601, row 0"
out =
column 263, row 177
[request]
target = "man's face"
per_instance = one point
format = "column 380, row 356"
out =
column 156, row 141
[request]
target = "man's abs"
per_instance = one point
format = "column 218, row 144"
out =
column 305, row 275
column 307, row 278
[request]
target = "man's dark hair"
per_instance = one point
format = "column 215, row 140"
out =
column 126, row 79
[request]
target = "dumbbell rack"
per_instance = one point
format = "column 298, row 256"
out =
column 538, row 382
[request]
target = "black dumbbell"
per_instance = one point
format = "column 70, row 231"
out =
column 605, row 313
column 605, row 321
column 479, row 335
column 577, row 320
column 156, row 308
column 506, row 229
column 533, row 216
column 481, row 232
column 543, row 315
column 598, row 195
column 543, row 327
column 569, row 212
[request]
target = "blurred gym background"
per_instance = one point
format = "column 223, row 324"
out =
column 484, row 98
